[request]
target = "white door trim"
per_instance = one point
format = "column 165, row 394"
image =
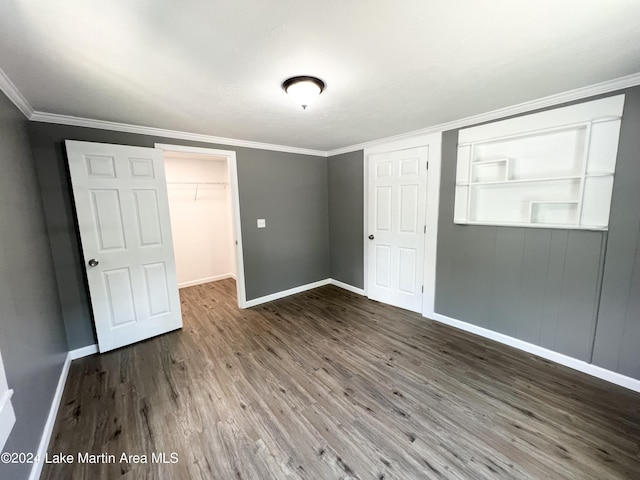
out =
column 434, row 142
column 235, row 203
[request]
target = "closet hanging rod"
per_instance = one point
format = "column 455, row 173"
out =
column 197, row 183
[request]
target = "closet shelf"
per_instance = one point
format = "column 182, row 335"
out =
column 197, row 186
column 197, row 183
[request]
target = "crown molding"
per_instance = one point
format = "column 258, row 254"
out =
column 13, row 94
column 160, row 132
column 577, row 94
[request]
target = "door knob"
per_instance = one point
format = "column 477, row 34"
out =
column 371, row 237
column 93, row 262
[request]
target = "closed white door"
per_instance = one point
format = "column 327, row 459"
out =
column 121, row 201
column 396, row 223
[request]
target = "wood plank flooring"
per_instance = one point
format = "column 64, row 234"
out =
column 330, row 385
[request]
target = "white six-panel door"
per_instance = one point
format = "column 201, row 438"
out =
column 396, row 227
column 121, row 201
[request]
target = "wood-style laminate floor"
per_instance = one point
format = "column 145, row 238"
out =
column 330, row 385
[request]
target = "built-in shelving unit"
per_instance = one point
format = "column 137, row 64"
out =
column 553, row 169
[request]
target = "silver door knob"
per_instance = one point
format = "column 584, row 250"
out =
column 93, row 262
column 371, row 237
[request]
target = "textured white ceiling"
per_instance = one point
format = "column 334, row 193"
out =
column 215, row 67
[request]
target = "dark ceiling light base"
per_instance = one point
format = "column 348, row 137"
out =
column 303, row 89
column 303, row 78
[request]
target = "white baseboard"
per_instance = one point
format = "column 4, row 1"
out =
column 83, row 352
column 200, row 281
column 303, row 288
column 55, row 404
column 567, row 361
column 51, row 420
column 286, row 293
column 346, row 286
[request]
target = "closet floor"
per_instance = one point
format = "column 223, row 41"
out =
column 330, row 385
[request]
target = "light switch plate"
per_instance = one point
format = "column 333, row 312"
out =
column 262, row 223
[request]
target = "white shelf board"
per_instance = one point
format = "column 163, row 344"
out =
column 522, row 180
column 485, row 162
column 533, row 225
column 599, row 174
column 555, row 202
column 566, row 211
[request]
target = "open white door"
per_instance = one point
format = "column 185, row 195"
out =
column 121, row 201
column 397, row 188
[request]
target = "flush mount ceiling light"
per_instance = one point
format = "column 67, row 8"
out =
column 303, row 90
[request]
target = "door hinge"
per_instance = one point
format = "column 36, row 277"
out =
column 427, row 165
column 422, row 288
column 425, row 229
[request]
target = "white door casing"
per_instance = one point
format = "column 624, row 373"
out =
column 235, row 201
column 397, row 185
column 122, row 207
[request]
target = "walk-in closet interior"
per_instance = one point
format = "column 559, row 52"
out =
column 201, row 217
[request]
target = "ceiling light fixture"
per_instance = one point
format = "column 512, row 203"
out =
column 303, row 90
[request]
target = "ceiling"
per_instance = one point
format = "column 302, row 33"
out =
column 215, row 67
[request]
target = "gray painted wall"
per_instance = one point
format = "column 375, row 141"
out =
column 617, row 342
column 290, row 193
column 538, row 285
column 32, row 337
column 288, row 190
column 346, row 220
column 543, row 286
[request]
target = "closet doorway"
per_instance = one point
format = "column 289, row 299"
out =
column 205, row 215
